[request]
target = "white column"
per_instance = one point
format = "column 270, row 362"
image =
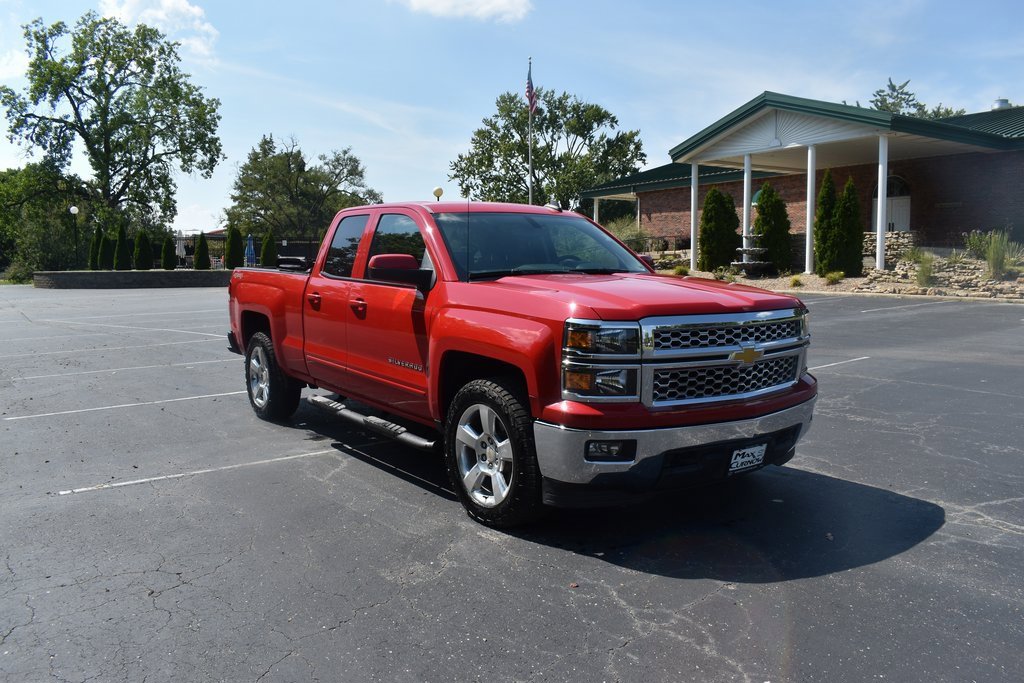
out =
column 694, row 214
column 597, row 210
column 883, row 191
column 812, row 171
column 746, row 204
column 637, row 212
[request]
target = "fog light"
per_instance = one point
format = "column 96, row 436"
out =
column 610, row 451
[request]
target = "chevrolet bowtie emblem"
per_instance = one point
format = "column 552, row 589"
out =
column 748, row 355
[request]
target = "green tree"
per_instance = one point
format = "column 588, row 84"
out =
column 168, row 255
column 119, row 95
column 849, row 232
column 268, row 250
column 234, row 250
column 94, row 249
column 898, row 99
column 201, row 259
column 279, row 189
column 718, row 240
column 827, row 241
column 143, row 256
column 37, row 232
column 772, row 224
column 576, row 145
column 122, row 252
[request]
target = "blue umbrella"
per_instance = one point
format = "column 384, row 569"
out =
column 250, row 251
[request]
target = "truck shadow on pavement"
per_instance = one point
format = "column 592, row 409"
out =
column 778, row 524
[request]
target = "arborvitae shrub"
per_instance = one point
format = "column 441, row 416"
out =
column 718, row 240
column 234, row 250
column 827, row 242
column 168, row 256
column 268, row 250
column 94, row 249
column 201, row 261
column 106, row 260
column 850, row 232
column 772, row 224
column 122, row 252
column 143, row 251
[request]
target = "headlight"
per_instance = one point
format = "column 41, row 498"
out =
column 600, row 339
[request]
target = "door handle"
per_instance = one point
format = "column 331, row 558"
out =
column 359, row 306
column 314, row 300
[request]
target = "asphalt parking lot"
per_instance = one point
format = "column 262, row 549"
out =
column 153, row 529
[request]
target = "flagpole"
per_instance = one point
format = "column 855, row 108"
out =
column 529, row 107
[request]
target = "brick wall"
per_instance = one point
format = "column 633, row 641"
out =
column 949, row 195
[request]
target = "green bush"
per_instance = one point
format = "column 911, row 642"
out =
column 268, row 250
column 201, row 259
column 796, row 282
column 827, row 240
column 143, row 256
column 913, row 254
column 234, row 249
column 168, row 255
column 681, row 269
column 834, row 277
column 122, row 252
column 718, row 240
column 106, row 257
column 849, row 232
column 976, row 243
column 995, row 254
column 94, row 249
column 925, row 270
column 955, row 257
column 772, row 225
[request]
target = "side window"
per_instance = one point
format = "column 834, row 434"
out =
column 342, row 253
column 398, row 234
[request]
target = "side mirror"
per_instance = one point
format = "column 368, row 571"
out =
column 400, row 268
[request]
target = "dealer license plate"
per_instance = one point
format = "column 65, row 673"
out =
column 747, row 458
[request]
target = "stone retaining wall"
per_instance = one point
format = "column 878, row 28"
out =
column 896, row 243
column 130, row 279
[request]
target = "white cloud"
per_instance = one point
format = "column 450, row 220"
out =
column 13, row 64
column 179, row 19
column 501, row 10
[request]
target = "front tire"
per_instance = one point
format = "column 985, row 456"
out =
column 490, row 455
column 273, row 395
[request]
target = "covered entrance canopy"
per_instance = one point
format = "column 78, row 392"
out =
column 781, row 134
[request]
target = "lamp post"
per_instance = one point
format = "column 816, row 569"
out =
column 437, row 193
column 73, row 210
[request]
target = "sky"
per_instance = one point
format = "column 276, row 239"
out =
column 404, row 83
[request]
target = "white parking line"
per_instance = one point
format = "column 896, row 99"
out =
column 123, row 405
column 132, row 327
column 842, row 362
column 828, row 299
column 114, row 348
column 136, row 367
column 131, row 315
column 894, row 308
column 167, row 477
column 58, row 336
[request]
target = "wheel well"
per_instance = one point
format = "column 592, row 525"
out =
column 459, row 368
column 252, row 323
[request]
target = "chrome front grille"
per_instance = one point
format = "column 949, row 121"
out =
column 708, row 336
column 707, row 358
column 722, row 382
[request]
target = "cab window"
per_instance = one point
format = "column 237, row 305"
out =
column 342, row 253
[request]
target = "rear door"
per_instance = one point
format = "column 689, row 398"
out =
column 387, row 328
column 327, row 303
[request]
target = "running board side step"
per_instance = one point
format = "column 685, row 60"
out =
column 374, row 424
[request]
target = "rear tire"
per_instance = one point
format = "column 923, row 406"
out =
column 273, row 395
column 490, row 455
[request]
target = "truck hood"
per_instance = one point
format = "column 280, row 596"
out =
column 632, row 296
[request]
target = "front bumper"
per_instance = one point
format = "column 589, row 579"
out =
column 664, row 459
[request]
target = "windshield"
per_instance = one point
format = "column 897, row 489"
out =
column 487, row 245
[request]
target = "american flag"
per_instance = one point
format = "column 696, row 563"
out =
column 531, row 94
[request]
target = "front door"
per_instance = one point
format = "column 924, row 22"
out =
column 387, row 335
column 327, row 305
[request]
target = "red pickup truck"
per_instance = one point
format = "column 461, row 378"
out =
column 550, row 362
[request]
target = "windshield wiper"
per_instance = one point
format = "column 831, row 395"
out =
column 486, row 274
column 599, row 270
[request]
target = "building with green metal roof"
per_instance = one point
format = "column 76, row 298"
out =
column 939, row 178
